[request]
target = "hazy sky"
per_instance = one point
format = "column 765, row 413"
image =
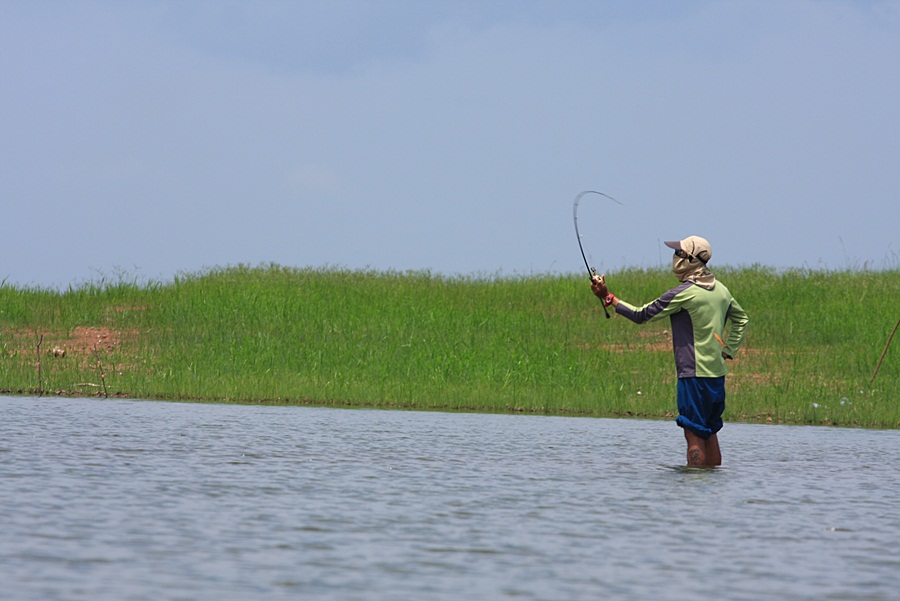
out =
column 157, row 138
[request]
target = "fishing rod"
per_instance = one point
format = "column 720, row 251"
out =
column 592, row 273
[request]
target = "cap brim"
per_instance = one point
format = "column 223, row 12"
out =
column 675, row 245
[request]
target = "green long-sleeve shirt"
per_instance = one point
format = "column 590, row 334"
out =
column 697, row 315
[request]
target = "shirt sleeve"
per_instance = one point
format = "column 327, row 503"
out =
column 738, row 320
column 667, row 304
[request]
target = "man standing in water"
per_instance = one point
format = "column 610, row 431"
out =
column 698, row 309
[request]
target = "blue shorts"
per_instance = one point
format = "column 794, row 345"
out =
column 701, row 403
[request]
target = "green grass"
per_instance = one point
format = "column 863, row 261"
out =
column 415, row 340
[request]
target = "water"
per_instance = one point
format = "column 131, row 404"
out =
column 116, row 500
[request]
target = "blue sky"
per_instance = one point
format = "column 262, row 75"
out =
column 157, row 138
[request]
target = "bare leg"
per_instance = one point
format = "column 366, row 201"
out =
column 713, row 454
column 696, row 450
column 702, row 453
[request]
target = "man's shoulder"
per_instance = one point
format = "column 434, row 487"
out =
column 682, row 287
column 718, row 289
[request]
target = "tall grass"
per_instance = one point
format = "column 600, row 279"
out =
column 416, row 340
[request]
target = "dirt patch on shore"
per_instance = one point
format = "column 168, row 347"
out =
column 85, row 340
column 82, row 340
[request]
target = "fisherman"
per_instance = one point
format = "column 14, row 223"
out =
column 698, row 309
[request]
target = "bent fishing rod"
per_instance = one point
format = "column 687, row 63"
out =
column 592, row 273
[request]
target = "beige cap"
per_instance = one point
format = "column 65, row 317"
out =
column 695, row 246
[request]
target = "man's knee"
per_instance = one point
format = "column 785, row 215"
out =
column 696, row 455
column 698, row 452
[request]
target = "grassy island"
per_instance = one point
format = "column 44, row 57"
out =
column 534, row 344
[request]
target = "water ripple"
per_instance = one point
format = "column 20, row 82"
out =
column 144, row 500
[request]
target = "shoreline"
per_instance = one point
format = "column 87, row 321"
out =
column 415, row 341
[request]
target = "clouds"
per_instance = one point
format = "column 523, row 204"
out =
column 446, row 136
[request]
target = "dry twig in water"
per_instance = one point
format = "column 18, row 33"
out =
column 40, row 340
column 102, row 375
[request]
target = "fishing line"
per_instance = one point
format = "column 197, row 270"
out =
column 592, row 273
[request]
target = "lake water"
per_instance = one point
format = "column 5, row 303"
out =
column 117, row 500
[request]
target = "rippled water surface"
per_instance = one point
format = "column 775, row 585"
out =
column 113, row 500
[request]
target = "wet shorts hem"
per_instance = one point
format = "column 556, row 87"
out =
column 701, row 403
